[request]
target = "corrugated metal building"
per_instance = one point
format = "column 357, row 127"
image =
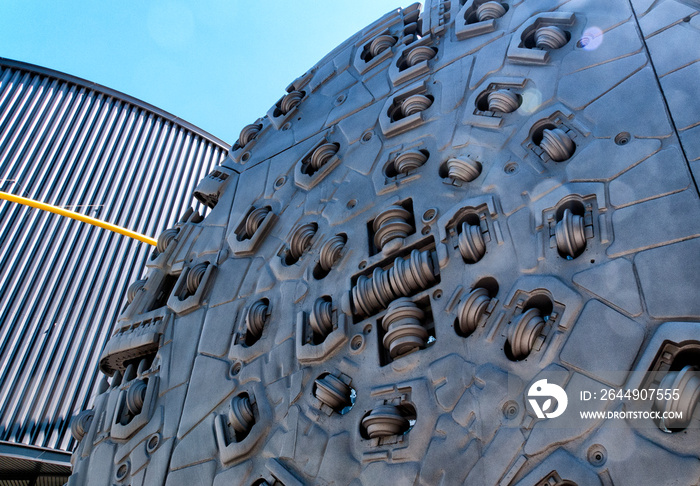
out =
column 81, row 146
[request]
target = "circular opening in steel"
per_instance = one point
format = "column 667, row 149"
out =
column 597, row 455
column 153, row 443
column 122, row 471
column 357, row 342
column 510, row 168
column 623, row 138
column 236, row 368
column 510, row 409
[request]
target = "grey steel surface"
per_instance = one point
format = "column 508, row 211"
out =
column 78, row 145
column 671, row 32
column 444, row 211
column 23, row 465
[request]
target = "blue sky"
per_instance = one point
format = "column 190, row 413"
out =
column 218, row 64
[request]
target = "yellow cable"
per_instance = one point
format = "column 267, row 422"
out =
column 80, row 217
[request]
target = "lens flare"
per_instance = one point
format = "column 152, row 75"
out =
column 591, row 39
column 532, row 99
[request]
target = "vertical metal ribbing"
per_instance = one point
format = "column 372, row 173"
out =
column 15, row 314
column 79, row 299
column 63, row 284
column 33, row 359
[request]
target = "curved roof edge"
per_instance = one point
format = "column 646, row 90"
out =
column 112, row 92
